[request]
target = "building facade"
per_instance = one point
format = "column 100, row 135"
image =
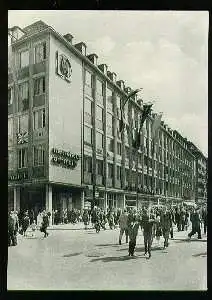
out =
column 65, row 148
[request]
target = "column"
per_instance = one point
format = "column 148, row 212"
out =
column 49, row 201
column 82, row 200
column 16, row 199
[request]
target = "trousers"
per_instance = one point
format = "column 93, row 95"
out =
column 195, row 229
column 122, row 231
column 132, row 245
column 147, row 242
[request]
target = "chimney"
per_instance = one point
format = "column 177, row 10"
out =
column 103, row 68
column 112, row 76
column 68, row 37
column 120, row 83
column 93, row 58
column 128, row 90
column 81, row 47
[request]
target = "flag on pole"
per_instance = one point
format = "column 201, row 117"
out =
column 155, row 128
column 131, row 94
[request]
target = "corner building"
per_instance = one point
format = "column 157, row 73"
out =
column 64, row 144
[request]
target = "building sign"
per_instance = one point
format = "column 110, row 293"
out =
column 16, row 176
column 63, row 66
column 64, row 159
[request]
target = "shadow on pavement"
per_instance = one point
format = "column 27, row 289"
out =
column 203, row 254
column 108, row 245
column 115, row 258
column 72, row 254
column 184, row 240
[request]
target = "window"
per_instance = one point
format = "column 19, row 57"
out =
column 119, row 145
column 99, row 87
column 110, row 171
column 39, row 86
column 109, row 99
column 88, row 106
column 99, row 167
column 99, row 140
column 88, row 79
column 24, row 90
column 10, row 127
column 88, row 164
column 39, row 155
column 24, row 59
column 109, row 120
column 118, row 172
column 39, row 118
column 118, row 102
column 23, row 123
column 22, row 158
column 99, row 113
column 126, row 112
column 88, row 135
column 127, row 152
column 110, row 144
column 40, row 52
column 10, row 96
column 10, row 159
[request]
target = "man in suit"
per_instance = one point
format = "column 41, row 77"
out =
column 12, row 229
column 195, row 221
column 123, row 222
column 147, row 223
column 166, row 224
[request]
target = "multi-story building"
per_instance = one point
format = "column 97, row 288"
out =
column 201, row 174
column 65, row 147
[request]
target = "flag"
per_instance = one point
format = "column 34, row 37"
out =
column 132, row 94
column 156, row 125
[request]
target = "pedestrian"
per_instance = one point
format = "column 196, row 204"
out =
column 204, row 219
column 123, row 224
column 186, row 219
column 12, row 229
column 111, row 221
column 25, row 223
column 45, row 224
column 147, row 223
column 132, row 232
column 166, row 223
column 195, row 221
column 85, row 218
column 158, row 231
column 33, row 228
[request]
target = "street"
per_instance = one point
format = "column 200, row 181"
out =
column 75, row 259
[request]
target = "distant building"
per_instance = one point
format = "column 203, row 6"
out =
column 64, row 145
column 201, row 174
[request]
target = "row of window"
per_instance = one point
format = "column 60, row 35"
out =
column 38, row 157
column 39, row 88
column 39, row 55
column 39, row 121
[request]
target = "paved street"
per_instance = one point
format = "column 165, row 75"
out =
column 76, row 259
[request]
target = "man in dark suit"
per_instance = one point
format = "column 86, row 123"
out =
column 147, row 222
column 195, row 221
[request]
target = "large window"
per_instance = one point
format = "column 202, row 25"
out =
column 119, row 146
column 88, row 106
column 24, row 59
column 99, row 165
column 23, row 96
column 99, row 88
column 88, row 164
column 39, row 119
column 118, row 102
column 118, row 172
column 88, row 135
column 39, row 155
column 99, row 140
column 88, row 79
column 39, row 86
column 23, row 123
column 22, row 158
column 110, row 171
column 109, row 124
column 110, row 144
column 40, row 52
column 109, row 99
column 99, row 113
column 10, row 96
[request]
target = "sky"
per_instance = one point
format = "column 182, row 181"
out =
column 164, row 52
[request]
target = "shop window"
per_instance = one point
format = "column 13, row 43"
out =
column 40, row 52
column 24, row 59
column 88, row 135
column 39, row 119
column 39, row 86
column 38, row 155
column 22, row 158
column 10, row 96
column 23, row 123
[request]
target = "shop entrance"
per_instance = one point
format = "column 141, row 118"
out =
column 32, row 199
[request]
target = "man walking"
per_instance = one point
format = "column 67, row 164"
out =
column 123, row 226
column 195, row 221
column 166, row 223
column 204, row 218
column 147, row 223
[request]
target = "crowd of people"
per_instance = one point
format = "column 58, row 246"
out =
column 155, row 222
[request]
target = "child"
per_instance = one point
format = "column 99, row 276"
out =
column 33, row 228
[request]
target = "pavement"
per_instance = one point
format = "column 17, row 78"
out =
column 84, row 260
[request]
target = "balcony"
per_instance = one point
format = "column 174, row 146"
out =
column 39, row 67
column 38, row 172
